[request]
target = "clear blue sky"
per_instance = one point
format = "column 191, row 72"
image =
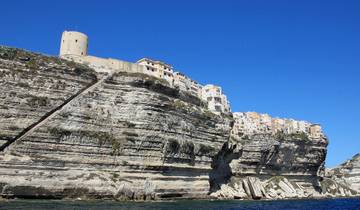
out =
column 297, row 59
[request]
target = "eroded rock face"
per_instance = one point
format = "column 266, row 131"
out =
column 68, row 131
column 296, row 158
column 343, row 180
column 129, row 136
column 33, row 85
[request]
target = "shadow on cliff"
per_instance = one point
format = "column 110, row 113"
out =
column 221, row 171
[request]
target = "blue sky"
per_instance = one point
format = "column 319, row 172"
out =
column 295, row 59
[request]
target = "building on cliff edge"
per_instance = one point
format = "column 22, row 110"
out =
column 252, row 123
column 74, row 47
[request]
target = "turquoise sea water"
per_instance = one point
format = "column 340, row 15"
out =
column 329, row 204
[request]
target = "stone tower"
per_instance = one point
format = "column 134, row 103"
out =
column 73, row 43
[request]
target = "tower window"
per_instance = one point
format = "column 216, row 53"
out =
column 75, row 40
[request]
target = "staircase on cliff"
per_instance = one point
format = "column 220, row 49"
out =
column 52, row 113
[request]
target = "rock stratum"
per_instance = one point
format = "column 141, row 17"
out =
column 343, row 180
column 67, row 131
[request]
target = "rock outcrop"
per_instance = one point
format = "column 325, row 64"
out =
column 343, row 180
column 266, row 165
column 69, row 131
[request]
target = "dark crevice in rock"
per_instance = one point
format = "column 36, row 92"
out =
column 221, row 171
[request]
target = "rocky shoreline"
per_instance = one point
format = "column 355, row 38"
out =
column 68, row 131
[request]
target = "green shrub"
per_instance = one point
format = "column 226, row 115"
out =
column 206, row 150
column 209, row 114
column 34, row 101
column 187, row 147
column 302, row 136
column 101, row 136
column 172, row 146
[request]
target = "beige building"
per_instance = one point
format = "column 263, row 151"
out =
column 277, row 125
column 315, row 131
column 291, row 126
column 250, row 123
column 181, row 81
column 195, row 88
column 265, row 119
column 186, row 84
column 158, row 69
column 265, row 123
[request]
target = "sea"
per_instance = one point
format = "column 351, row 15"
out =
column 325, row 204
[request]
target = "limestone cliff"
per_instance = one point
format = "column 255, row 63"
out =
column 69, row 131
column 343, row 180
column 266, row 164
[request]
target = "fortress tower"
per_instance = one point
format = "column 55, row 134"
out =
column 73, row 43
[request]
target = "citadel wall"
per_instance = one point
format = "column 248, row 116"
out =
column 106, row 64
column 74, row 47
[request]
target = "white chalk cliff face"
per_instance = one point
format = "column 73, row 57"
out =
column 266, row 164
column 343, row 180
column 69, row 131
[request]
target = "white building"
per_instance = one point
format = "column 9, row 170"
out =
column 303, row 126
column 217, row 101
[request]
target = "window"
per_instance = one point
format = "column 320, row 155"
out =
column 75, row 40
column 209, row 98
column 218, row 108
